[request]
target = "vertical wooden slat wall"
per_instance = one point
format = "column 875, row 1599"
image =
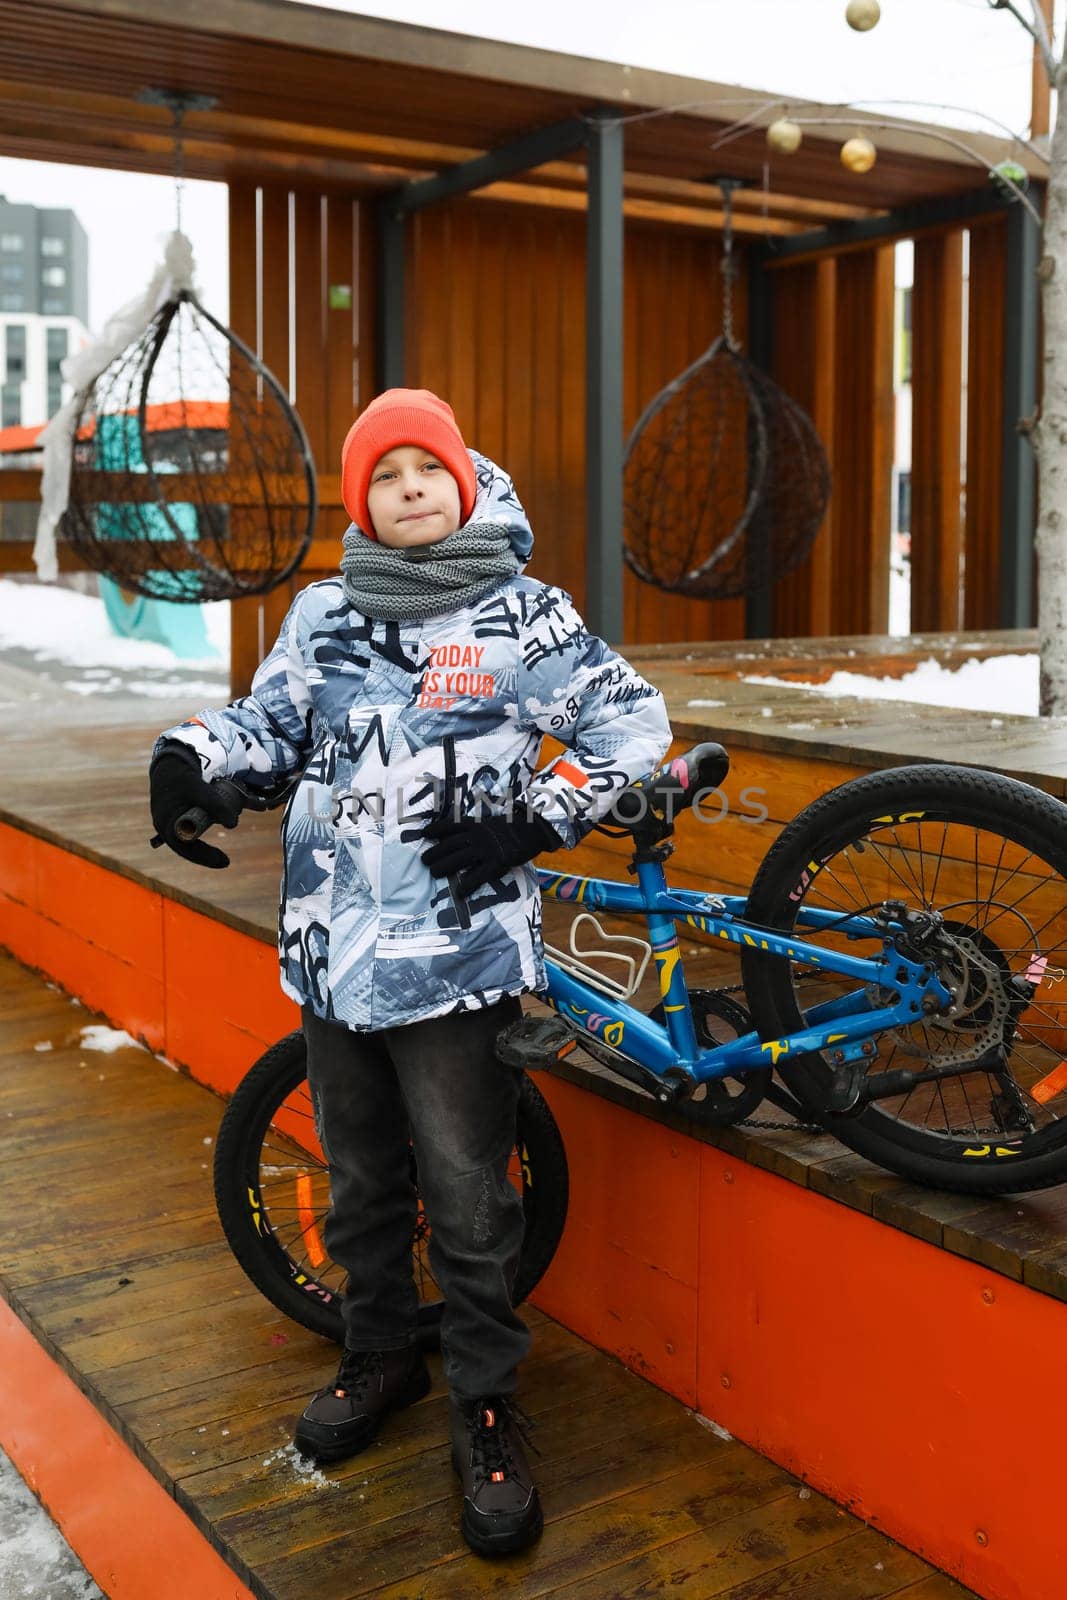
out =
column 937, row 356
column 833, row 340
column 985, row 412
column 496, row 324
column 286, row 248
column 805, row 331
column 863, row 426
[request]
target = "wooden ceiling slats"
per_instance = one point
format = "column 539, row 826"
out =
column 277, row 99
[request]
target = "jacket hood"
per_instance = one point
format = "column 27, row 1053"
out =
column 496, row 503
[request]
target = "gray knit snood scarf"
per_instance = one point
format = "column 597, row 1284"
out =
column 426, row 580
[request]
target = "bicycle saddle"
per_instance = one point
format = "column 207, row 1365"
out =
column 672, row 788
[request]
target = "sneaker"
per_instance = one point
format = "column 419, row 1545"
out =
column 501, row 1509
column 343, row 1418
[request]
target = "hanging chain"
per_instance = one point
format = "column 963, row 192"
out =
column 178, row 102
column 728, row 265
column 179, row 162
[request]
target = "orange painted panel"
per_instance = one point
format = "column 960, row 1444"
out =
column 18, row 864
column 19, row 930
column 101, row 907
column 224, row 1003
column 625, row 1275
column 660, row 1173
column 216, row 1052
column 131, row 998
column 123, row 1525
column 889, row 1374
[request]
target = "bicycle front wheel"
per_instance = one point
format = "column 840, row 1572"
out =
column 272, row 1188
column 990, row 855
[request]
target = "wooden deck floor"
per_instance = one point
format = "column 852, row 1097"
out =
column 111, row 1253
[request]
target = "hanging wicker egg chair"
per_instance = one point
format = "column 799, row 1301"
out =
column 726, row 480
column 191, row 477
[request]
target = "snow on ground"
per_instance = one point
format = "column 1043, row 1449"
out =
column 64, row 638
column 98, row 1037
column 62, row 625
column 1001, row 683
column 36, row 1562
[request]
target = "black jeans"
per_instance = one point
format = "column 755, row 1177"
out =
column 439, row 1084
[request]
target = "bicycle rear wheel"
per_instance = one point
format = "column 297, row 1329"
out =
column 989, row 854
column 272, row 1188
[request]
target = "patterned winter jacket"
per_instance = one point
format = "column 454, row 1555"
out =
column 389, row 721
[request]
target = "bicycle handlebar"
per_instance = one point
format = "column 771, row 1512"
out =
column 192, row 823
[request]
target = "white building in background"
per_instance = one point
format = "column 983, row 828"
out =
column 44, row 307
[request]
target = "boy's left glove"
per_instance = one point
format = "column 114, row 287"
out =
column 485, row 849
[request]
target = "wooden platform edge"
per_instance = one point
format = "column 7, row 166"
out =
column 206, row 997
column 121, row 1520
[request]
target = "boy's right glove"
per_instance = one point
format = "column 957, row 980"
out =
column 176, row 786
column 480, row 850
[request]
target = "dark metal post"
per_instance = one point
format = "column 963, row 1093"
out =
column 603, row 404
column 1017, row 503
column 390, row 294
column 759, row 577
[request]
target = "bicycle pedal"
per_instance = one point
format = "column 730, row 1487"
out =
column 535, row 1042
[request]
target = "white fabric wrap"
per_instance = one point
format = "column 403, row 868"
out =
column 175, row 272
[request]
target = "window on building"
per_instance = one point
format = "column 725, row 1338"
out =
column 51, row 246
column 11, row 302
column 54, row 277
column 10, row 407
column 12, row 241
column 12, row 272
column 58, row 342
column 15, row 343
column 53, row 305
column 904, row 503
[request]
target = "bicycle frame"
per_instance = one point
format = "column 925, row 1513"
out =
column 843, row 1025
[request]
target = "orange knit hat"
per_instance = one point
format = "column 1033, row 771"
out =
column 402, row 416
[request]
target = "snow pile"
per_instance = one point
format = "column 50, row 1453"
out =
column 98, row 1037
column 57, row 624
column 305, row 1471
column 35, row 1559
column 1001, row 683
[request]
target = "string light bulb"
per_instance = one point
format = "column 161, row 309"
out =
column 784, row 136
column 858, row 155
column 863, row 15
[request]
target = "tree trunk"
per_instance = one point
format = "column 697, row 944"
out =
column 1050, row 434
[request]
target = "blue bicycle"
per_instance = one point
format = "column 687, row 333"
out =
column 903, row 986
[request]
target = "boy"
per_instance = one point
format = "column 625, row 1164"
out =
column 411, row 694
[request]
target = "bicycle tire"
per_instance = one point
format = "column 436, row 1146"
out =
column 1033, row 829
column 290, row 1282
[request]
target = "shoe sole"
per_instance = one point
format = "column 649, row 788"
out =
column 326, row 1451
column 485, row 1543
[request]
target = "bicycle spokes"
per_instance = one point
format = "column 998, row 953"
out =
column 995, row 1061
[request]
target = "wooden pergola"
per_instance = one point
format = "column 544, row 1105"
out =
column 535, row 236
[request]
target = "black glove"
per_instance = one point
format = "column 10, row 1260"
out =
column 481, row 850
column 176, row 785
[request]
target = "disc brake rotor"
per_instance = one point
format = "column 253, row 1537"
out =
column 972, row 966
